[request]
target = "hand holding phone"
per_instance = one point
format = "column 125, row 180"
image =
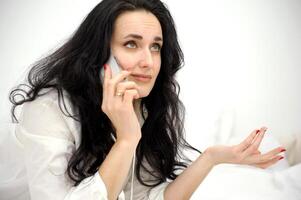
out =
column 126, row 124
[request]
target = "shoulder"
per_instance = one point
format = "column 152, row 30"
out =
column 50, row 96
column 50, row 115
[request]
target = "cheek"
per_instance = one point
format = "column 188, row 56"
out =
column 125, row 61
column 157, row 67
column 127, row 64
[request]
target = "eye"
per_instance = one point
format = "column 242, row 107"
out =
column 130, row 44
column 156, row 47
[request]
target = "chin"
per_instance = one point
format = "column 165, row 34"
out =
column 144, row 93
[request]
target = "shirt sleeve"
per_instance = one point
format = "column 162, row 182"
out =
column 48, row 143
column 157, row 193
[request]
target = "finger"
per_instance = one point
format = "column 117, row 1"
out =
column 259, row 137
column 129, row 95
column 258, row 158
column 106, row 78
column 254, row 146
column 111, row 86
column 107, row 74
column 122, row 86
column 121, row 76
column 271, row 154
column 268, row 163
column 248, row 141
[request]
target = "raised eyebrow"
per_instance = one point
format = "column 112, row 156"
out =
column 158, row 39
column 136, row 36
column 139, row 37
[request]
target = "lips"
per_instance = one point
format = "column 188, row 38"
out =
column 142, row 77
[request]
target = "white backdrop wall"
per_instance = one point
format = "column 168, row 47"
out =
column 242, row 58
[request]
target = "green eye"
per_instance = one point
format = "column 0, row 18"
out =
column 130, row 44
column 156, row 47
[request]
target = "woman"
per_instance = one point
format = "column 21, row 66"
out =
column 87, row 140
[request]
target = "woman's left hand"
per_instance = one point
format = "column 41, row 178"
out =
column 246, row 152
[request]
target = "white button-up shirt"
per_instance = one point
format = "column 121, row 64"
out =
column 48, row 138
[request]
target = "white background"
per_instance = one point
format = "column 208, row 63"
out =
column 242, row 58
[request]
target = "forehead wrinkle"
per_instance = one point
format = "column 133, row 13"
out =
column 137, row 27
column 128, row 23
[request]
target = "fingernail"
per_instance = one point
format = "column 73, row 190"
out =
column 282, row 150
column 257, row 131
column 105, row 66
column 281, row 158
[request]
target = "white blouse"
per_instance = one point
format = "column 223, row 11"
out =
column 49, row 138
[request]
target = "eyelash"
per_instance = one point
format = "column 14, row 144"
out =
column 133, row 42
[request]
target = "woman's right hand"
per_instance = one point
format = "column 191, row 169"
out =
column 119, row 108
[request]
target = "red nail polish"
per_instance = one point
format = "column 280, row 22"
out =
column 257, row 131
column 281, row 158
column 282, row 150
column 105, row 66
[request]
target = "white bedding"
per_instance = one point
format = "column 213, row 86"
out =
column 233, row 182
column 236, row 182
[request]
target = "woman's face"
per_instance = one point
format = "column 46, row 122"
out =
column 136, row 44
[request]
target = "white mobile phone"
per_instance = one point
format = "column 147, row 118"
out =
column 115, row 68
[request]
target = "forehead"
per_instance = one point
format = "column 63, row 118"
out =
column 138, row 22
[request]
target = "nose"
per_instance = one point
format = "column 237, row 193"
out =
column 146, row 59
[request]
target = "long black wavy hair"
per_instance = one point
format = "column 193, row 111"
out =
column 74, row 68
